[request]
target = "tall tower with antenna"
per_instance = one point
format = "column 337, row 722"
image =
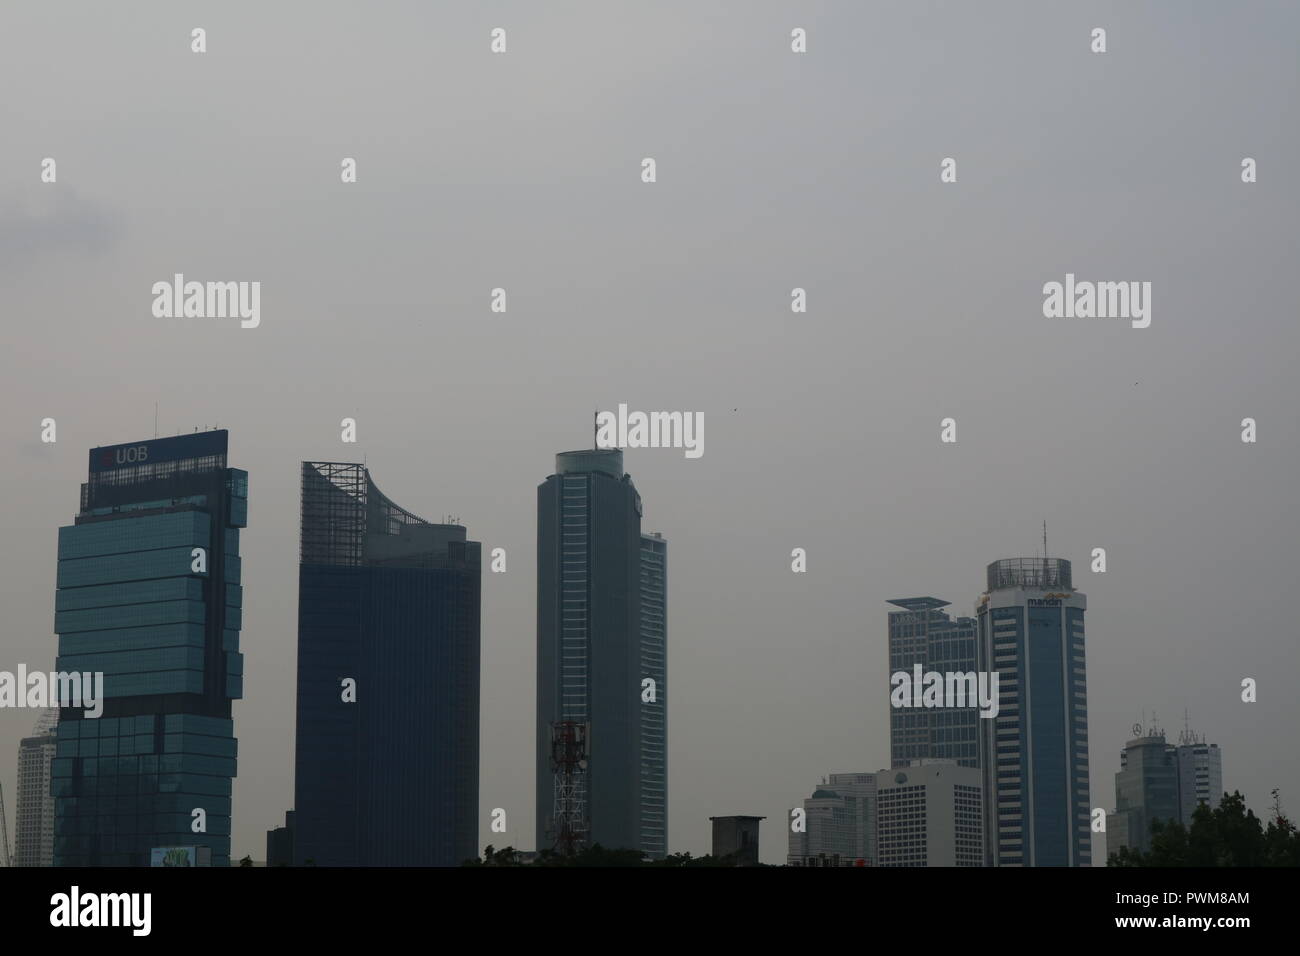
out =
column 601, row 643
column 1034, row 757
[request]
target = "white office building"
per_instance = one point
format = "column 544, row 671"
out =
column 34, row 836
column 839, row 824
column 929, row 813
column 1200, row 775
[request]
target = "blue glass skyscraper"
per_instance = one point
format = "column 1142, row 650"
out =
column 601, row 634
column 1034, row 753
column 922, row 633
column 388, row 680
column 149, row 594
column 1146, row 790
column 654, row 712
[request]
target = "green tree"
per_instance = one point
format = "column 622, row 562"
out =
column 595, row 856
column 506, row 856
column 685, row 859
column 1229, row 835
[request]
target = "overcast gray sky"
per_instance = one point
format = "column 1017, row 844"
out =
column 775, row 170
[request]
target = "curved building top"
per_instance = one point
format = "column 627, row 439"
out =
column 347, row 520
column 1047, row 574
column 608, row 461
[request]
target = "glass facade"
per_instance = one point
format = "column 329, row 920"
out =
column 654, row 713
column 923, row 634
column 601, row 630
column 149, row 597
column 1034, row 754
column 1146, row 790
column 391, row 602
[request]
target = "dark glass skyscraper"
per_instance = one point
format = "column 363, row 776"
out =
column 388, row 680
column 1034, row 753
column 1146, row 789
column 601, row 613
column 149, row 594
column 922, row 633
column 654, row 712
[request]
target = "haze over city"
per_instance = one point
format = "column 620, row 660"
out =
column 775, row 171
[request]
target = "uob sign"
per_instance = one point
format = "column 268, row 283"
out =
column 127, row 456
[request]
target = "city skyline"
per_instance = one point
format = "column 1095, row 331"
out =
column 776, row 171
column 1036, row 574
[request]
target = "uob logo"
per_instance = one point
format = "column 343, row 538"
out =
column 132, row 456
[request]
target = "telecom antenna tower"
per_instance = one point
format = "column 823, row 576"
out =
column 569, row 765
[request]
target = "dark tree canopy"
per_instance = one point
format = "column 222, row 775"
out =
column 595, row 855
column 1228, row 835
